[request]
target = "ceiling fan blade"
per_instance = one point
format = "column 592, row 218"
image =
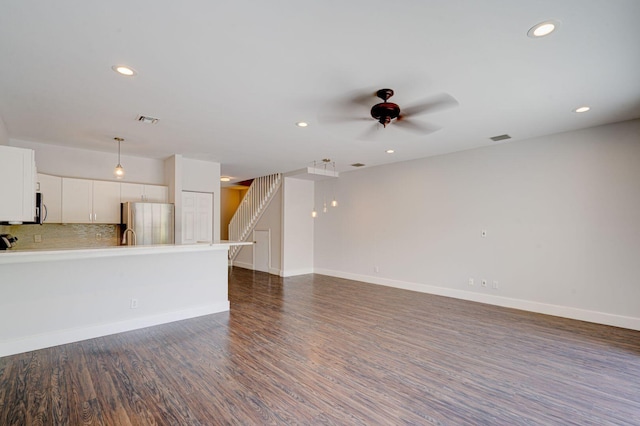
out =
column 432, row 104
column 365, row 98
column 370, row 132
column 412, row 126
column 333, row 119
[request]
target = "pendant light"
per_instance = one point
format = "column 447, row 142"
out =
column 119, row 170
column 334, row 202
column 322, row 171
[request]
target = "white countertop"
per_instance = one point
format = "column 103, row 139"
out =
column 22, row 256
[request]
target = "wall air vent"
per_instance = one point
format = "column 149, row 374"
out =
column 500, row 138
column 357, row 165
column 147, row 119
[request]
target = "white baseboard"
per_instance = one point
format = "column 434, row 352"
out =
column 294, row 272
column 61, row 337
column 244, row 265
column 274, row 271
column 525, row 305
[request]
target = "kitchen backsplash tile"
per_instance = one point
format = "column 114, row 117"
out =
column 54, row 236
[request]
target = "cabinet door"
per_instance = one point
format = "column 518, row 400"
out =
column 197, row 217
column 17, row 184
column 188, row 218
column 204, row 218
column 156, row 193
column 133, row 192
column 106, row 202
column 77, row 200
column 51, row 189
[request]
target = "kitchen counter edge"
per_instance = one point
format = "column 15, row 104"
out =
column 23, row 256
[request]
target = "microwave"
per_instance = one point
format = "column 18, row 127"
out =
column 40, row 213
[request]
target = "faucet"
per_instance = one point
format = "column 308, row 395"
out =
column 124, row 236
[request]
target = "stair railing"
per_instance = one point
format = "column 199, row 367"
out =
column 254, row 203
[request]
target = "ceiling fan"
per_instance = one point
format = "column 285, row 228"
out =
column 387, row 113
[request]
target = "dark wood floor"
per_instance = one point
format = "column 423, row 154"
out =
column 320, row 350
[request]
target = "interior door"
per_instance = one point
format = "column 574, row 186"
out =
column 188, row 217
column 261, row 250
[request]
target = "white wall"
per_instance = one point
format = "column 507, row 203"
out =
column 562, row 215
column 297, row 227
column 271, row 220
column 229, row 201
column 4, row 135
column 82, row 163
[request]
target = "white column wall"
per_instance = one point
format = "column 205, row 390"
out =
column 562, row 215
column 297, row 227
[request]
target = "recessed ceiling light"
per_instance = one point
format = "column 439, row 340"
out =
column 390, row 151
column 582, row 109
column 302, row 124
column 543, row 28
column 124, row 70
column 225, row 179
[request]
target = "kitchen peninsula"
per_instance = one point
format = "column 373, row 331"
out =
column 53, row 297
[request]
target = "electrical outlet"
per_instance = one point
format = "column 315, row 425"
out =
column 37, row 238
column 495, row 285
column 471, row 283
column 376, row 269
column 134, row 303
column 484, row 283
column 98, row 236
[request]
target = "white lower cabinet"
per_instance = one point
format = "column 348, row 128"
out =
column 197, row 217
column 87, row 201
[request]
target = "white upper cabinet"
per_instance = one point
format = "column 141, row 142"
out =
column 145, row 193
column 51, row 189
column 77, row 200
column 106, row 202
column 156, row 193
column 133, row 192
column 17, row 184
column 87, row 201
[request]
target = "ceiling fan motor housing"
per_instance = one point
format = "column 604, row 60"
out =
column 384, row 112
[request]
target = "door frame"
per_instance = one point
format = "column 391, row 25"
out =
column 253, row 252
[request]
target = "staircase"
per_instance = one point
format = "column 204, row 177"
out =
column 254, row 203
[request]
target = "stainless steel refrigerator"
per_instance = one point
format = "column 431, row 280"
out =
column 147, row 223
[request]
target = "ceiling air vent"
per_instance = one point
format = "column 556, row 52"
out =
column 357, row 165
column 147, row 119
column 500, row 138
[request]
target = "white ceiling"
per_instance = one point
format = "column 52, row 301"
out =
column 228, row 80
